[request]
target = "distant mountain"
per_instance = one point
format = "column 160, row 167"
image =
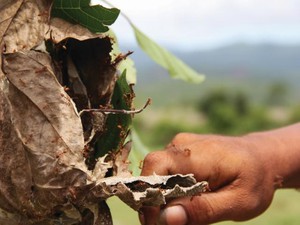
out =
column 245, row 66
column 248, row 60
column 235, row 60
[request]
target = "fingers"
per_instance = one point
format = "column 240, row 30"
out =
column 157, row 162
column 236, row 177
column 171, row 161
column 185, row 138
column 149, row 215
column 174, row 215
column 209, row 208
column 206, row 209
column 167, row 161
column 200, row 210
column 191, row 159
column 176, row 156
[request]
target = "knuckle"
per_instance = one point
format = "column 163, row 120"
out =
column 152, row 158
column 180, row 137
column 156, row 162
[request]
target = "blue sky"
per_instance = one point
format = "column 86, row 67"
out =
column 204, row 24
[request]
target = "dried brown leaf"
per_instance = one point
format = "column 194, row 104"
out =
column 121, row 162
column 8, row 9
column 43, row 140
column 42, row 97
column 150, row 190
column 26, row 27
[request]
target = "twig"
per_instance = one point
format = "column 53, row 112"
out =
column 108, row 111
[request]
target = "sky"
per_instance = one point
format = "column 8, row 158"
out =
column 206, row 24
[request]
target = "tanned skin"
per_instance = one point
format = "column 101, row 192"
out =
column 243, row 174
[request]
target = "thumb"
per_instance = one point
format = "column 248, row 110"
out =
column 205, row 209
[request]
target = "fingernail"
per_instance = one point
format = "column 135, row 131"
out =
column 173, row 215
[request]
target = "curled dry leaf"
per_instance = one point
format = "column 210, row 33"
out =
column 51, row 71
column 152, row 190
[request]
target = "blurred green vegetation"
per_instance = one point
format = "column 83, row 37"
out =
column 220, row 110
column 232, row 113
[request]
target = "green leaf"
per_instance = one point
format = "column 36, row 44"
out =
column 176, row 68
column 117, row 125
column 137, row 153
column 126, row 64
column 80, row 11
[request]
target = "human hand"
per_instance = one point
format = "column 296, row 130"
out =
column 239, row 171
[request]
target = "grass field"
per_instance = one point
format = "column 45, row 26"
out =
column 285, row 210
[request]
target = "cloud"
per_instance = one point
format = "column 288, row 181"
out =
column 189, row 23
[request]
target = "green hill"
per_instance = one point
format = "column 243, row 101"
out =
column 250, row 68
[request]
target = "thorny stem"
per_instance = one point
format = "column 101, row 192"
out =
column 117, row 111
